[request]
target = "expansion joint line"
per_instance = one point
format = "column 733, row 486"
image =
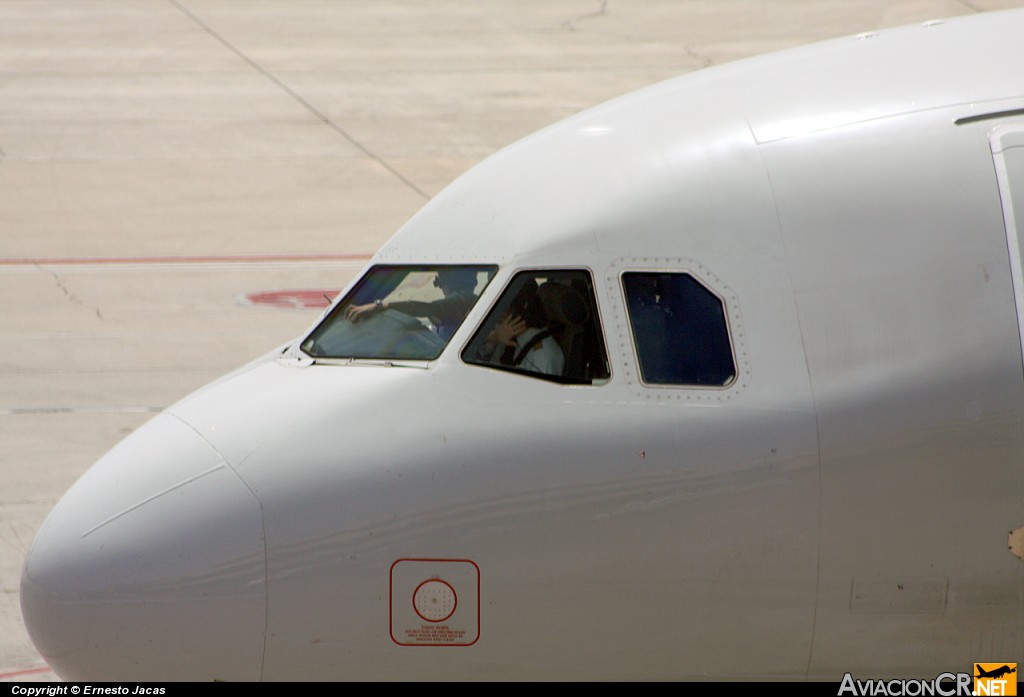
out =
column 298, row 98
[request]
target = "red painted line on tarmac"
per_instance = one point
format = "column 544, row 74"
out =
column 198, row 259
column 27, row 671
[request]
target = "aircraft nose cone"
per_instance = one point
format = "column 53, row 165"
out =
column 152, row 567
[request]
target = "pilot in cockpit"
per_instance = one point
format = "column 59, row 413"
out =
column 446, row 314
column 523, row 339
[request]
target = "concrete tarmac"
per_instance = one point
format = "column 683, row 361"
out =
column 182, row 180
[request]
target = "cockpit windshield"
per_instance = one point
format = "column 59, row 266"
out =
column 400, row 313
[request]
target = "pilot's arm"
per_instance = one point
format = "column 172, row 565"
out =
column 447, row 310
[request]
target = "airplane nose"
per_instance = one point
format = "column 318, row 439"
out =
column 152, row 567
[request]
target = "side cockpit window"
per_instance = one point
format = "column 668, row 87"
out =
column 399, row 313
column 679, row 330
column 544, row 325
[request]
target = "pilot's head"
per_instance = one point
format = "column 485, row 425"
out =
column 527, row 305
column 452, row 281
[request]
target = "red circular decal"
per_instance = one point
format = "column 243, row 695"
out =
column 309, row 299
column 434, row 600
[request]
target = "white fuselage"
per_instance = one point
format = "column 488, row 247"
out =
column 841, row 505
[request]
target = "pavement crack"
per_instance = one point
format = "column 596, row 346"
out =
column 570, row 24
column 68, row 293
column 705, row 61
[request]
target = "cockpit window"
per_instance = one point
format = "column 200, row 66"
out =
column 544, row 325
column 400, row 313
column 680, row 330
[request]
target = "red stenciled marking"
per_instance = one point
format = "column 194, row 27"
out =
column 27, row 671
column 310, row 299
column 199, row 259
